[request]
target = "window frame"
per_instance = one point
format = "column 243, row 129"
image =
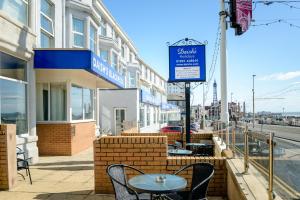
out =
column 94, row 40
column 49, row 102
column 77, row 33
column 51, row 36
column 83, row 111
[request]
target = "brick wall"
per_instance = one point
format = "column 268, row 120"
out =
column 8, row 160
column 65, row 138
column 149, row 154
column 195, row 137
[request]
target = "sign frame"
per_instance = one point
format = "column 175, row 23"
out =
column 194, row 56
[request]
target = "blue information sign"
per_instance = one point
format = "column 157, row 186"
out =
column 187, row 63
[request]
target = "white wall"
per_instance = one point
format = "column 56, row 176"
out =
column 111, row 99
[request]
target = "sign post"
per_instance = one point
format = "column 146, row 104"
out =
column 187, row 64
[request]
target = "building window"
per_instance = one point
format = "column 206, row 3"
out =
column 114, row 61
column 104, row 55
column 88, row 103
column 142, row 117
column 93, row 34
column 78, row 33
column 103, row 31
column 51, row 101
column 132, row 79
column 82, row 103
column 47, row 27
column 148, row 116
column 123, row 51
column 154, row 116
column 16, row 9
column 13, row 101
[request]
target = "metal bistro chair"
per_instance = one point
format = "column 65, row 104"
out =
column 202, row 173
column 22, row 163
column 118, row 178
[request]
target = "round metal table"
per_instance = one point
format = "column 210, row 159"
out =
column 179, row 152
column 147, row 183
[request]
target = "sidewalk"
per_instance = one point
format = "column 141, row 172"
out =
column 58, row 178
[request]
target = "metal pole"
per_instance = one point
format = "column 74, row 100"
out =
column 233, row 140
column 203, row 114
column 253, row 100
column 224, row 102
column 246, row 151
column 271, row 165
column 187, row 111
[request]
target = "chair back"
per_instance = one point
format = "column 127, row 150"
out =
column 202, row 173
column 118, row 178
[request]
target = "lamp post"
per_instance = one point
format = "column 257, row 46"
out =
column 253, row 76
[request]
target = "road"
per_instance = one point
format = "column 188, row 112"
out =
column 288, row 132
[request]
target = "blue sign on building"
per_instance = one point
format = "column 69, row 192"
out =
column 187, row 63
column 77, row 59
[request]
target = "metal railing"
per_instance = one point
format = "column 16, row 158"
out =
column 261, row 150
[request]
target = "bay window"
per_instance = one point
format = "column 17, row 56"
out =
column 78, row 33
column 13, row 96
column 104, row 55
column 47, row 25
column 82, row 103
column 51, row 101
column 93, row 44
column 114, row 61
column 16, row 9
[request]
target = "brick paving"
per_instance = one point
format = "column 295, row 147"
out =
column 59, row 178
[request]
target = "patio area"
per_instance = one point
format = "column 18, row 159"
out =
column 60, row 177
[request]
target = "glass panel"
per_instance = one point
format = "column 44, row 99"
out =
column 142, row 122
column 17, row 9
column 103, row 30
column 104, row 55
column 46, row 24
column 88, row 103
column 114, row 61
column 92, row 38
column 45, row 40
column 42, row 94
column 46, row 8
column 77, row 104
column 148, row 116
column 78, row 40
column 13, row 105
column 78, row 25
column 58, row 101
column 12, row 67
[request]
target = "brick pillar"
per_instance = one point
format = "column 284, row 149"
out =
column 8, row 160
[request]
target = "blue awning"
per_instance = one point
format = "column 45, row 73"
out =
column 77, row 59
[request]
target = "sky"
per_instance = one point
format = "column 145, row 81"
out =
column 271, row 52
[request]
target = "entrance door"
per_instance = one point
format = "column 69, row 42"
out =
column 120, row 114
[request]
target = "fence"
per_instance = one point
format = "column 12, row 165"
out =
column 276, row 158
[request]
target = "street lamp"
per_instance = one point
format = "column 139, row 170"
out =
column 253, row 76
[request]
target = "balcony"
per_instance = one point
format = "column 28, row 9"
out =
column 109, row 42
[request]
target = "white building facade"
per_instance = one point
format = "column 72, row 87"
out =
column 43, row 86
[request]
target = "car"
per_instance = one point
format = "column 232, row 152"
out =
column 171, row 129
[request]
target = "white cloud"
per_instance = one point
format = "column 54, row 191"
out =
column 281, row 76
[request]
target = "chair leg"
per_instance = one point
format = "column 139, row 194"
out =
column 22, row 175
column 29, row 175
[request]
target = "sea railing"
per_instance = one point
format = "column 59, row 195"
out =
column 276, row 158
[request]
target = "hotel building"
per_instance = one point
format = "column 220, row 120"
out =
column 54, row 56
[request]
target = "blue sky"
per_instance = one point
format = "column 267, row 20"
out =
column 271, row 52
